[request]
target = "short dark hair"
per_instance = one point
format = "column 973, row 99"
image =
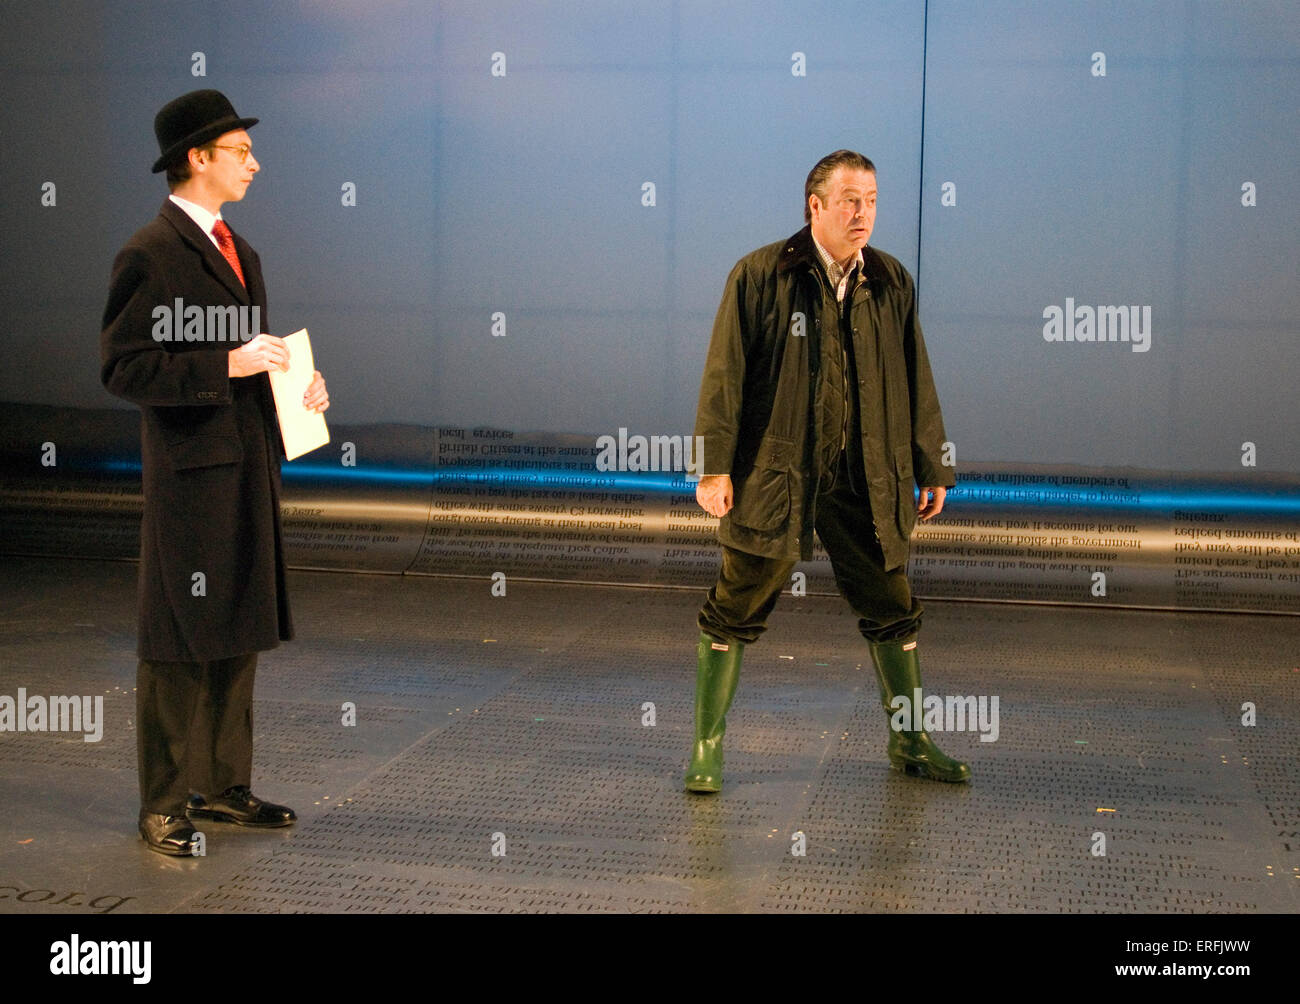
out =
column 179, row 170
column 822, row 171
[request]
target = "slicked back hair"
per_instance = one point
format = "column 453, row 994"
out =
column 822, row 171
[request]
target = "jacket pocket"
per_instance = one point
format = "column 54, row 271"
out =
column 201, row 437
column 906, row 515
column 763, row 494
column 204, row 451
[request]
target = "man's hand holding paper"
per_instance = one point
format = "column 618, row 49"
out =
column 300, row 398
column 316, row 399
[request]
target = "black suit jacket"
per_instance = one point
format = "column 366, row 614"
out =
column 211, row 556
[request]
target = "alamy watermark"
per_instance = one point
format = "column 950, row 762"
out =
column 54, row 714
column 945, row 714
column 1084, row 323
column 650, row 453
column 175, row 322
column 75, row 957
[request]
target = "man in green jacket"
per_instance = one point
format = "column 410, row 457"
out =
column 818, row 412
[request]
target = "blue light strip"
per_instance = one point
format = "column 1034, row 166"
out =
column 1191, row 496
column 1194, row 496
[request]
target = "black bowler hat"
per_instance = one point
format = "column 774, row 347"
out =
column 192, row 120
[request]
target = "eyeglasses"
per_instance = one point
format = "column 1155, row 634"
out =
column 242, row 151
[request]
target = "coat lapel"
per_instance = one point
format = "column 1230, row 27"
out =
column 252, row 276
column 213, row 261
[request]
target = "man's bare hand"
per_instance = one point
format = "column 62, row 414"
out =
column 713, row 493
column 930, row 503
column 317, row 398
column 263, row 354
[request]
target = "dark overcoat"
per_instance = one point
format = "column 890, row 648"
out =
column 212, row 578
column 756, row 418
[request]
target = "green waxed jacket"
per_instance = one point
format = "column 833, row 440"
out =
column 756, row 417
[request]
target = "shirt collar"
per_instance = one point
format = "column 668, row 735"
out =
column 202, row 218
column 833, row 270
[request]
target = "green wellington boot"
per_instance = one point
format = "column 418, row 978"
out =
column 715, row 686
column 914, row 753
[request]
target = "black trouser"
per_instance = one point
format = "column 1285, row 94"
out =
column 748, row 585
column 194, row 729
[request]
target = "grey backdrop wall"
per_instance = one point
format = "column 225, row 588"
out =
column 521, row 193
column 1031, row 157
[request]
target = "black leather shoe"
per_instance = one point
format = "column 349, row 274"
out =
column 239, row 805
column 167, row 834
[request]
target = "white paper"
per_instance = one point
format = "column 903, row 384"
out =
column 303, row 430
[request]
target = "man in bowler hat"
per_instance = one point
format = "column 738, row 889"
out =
column 212, row 574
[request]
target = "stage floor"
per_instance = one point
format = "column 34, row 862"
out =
column 501, row 759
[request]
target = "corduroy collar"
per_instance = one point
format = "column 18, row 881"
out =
column 800, row 252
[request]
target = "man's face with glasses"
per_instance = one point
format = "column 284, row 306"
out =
column 228, row 166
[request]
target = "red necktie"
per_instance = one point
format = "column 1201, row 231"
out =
column 226, row 242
